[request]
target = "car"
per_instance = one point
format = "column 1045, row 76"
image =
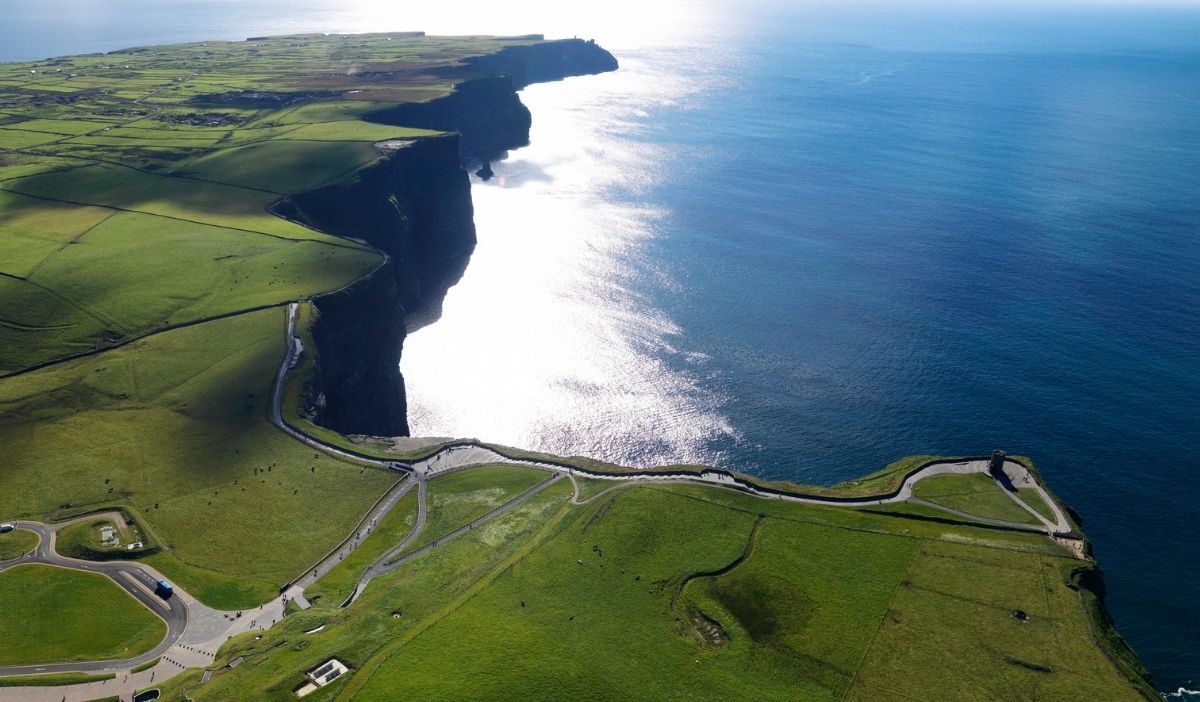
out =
column 163, row 589
column 6, row 527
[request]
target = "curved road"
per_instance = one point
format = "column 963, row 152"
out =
column 391, row 560
column 128, row 576
column 139, row 580
column 457, row 455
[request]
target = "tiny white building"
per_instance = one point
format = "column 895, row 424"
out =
column 322, row 675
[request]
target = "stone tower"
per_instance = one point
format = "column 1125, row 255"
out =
column 996, row 464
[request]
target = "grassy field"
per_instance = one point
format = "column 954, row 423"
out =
column 1034, row 500
column 176, row 427
column 16, row 543
column 653, row 609
column 453, row 500
column 50, row 614
column 336, row 585
column 283, row 166
column 402, row 603
column 84, row 540
column 975, row 493
column 51, row 679
column 132, row 168
column 458, row 498
column 730, row 597
column 76, row 294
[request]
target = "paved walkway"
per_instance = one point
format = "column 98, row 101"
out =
column 196, row 632
column 365, row 527
column 391, row 560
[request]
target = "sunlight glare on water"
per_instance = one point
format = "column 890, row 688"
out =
column 543, row 344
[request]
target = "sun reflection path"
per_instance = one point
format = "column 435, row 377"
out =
column 551, row 341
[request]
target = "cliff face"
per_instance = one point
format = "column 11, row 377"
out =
column 486, row 113
column 415, row 206
column 484, row 108
column 548, row 61
column 359, row 333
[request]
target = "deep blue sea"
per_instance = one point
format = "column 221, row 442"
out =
column 805, row 242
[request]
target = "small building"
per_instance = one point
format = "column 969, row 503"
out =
column 322, row 675
column 108, row 536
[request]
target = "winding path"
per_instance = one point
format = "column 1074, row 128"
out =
column 392, row 560
column 130, row 577
column 195, row 632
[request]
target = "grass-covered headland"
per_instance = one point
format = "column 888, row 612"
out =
column 159, row 209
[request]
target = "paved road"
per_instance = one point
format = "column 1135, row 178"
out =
column 199, row 646
column 389, row 561
column 465, row 454
column 294, row 349
column 374, row 570
column 130, row 577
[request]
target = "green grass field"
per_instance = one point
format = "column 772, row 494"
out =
column 83, row 540
column 283, row 166
column 176, row 427
column 51, row 679
column 336, row 585
column 402, row 602
column 17, row 543
column 454, row 500
column 728, row 597
column 1034, row 500
column 975, row 493
column 50, row 614
column 458, row 498
column 615, row 597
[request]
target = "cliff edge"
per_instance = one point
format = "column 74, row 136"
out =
column 414, row 205
column 484, row 108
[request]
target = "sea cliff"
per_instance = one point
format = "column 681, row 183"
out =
column 484, row 108
column 414, row 205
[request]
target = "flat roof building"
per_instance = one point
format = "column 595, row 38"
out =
column 322, row 675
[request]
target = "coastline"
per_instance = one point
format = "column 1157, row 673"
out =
column 345, row 387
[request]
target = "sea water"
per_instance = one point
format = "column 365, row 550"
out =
column 803, row 248
column 805, row 240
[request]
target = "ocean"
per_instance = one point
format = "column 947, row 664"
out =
column 803, row 242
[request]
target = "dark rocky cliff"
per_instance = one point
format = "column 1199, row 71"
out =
column 415, row 206
column 548, row 61
column 484, row 108
column 359, row 333
column 486, row 113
